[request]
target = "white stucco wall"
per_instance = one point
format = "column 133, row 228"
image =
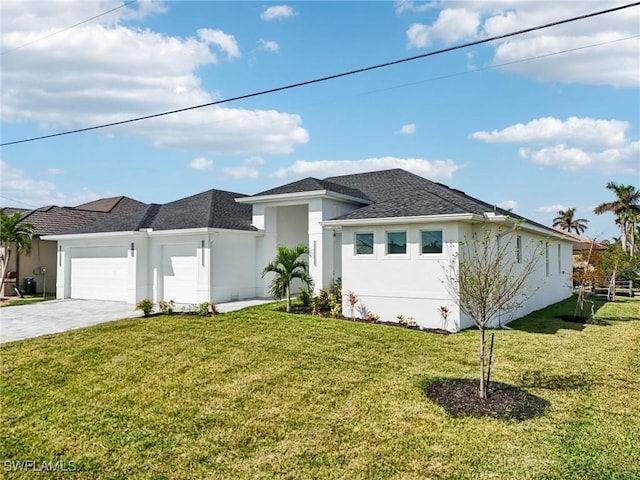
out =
column 235, row 274
column 413, row 284
column 409, row 284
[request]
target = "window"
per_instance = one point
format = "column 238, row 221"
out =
column 559, row 259
column 364, row 243
column 546, row 258
column 431, row 241
column 396, row 243
column 519, row 249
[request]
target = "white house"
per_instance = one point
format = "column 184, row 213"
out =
column 389, row 235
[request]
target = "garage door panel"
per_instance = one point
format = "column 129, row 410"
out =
column 100, row 273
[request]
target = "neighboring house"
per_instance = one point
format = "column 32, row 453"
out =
column 584, row 250
column 40, row 264
column 389, row 235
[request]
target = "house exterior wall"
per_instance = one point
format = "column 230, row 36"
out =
column 408, row 284
column 235, row 273
column 43, row 254
column 414, row 284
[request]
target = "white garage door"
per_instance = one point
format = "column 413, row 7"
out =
column 100, row 273
column 180, row 273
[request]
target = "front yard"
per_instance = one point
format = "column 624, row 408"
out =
column 262, row 394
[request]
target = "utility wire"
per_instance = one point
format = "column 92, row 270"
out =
column 333, row 77
column 68, row 28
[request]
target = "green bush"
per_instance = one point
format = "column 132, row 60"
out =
column 305, row 298
column 203, row 310
column 167, row 307
column 146, row 306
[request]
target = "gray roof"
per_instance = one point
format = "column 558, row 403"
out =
column 213, row 209
column 311, row 184
column 398, row 193
column 111, row 205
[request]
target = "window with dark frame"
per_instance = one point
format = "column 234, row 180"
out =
column 364, row 243
column 396, row 243
column 431, row 241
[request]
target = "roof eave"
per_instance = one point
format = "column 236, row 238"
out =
column 279, row 197
column 456, row 217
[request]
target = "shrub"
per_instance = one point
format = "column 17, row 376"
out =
column 372, row 317
column 167, row 307
column 305, row 298
column 353, row 299
column 203, row 309
column 146, row 306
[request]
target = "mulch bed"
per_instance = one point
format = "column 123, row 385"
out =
column 459, row 397
column 582, row 320
column 300, row 310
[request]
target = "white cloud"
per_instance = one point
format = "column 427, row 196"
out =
column 254, row 161
column 268, row 45
column 201, row 163
column 614, row 63
column 278, row 12
column 227, row 43
column 452, row 25
column 431, row 169
column 508, row 205
column 552, row 208
column 240, row 172
column 104, row 72
column 574, row 144
column 622, row 160
column 19, row 190
column 586, row 131
column 408, row 129
column 401, row 6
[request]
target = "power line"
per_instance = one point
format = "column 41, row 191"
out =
column 68, row 28
column 334, row 76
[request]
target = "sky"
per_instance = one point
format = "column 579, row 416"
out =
column 536, row 123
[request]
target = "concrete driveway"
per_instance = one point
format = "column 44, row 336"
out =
column 27, row 321
column 55, row 316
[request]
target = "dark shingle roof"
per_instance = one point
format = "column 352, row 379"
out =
column 398, row 193
column 213, row 209
column 311, row 184
column 111, row 205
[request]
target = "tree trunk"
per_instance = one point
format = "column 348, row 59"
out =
column 288, row 299
column 482, row 392
column 5, row 266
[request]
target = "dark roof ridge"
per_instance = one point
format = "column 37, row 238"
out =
column 149, row 216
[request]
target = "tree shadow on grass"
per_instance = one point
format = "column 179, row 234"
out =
column 459, row 397
column 550, row 381
column 549, row 325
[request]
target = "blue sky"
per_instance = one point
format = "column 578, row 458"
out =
column 537, row 135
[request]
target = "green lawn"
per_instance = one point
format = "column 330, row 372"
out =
column 262, row 394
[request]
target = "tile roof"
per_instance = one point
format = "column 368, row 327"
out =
column 51, row 220
column 111, row 205
column 13, row 210
column 213, row 209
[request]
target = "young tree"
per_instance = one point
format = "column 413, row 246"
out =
column 488, row 278
column 626, row 208
column 288, row 265
column 12, row 232
column 566, row 222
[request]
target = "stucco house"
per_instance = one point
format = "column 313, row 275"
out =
column 40, row 263
column 386, row 234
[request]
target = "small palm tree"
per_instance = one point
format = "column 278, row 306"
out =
column 566, row 222
column 626, row 208
column 287, row 266
column 12, row 232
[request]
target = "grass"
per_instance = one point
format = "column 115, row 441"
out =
column 28, row 299
column 262, row 394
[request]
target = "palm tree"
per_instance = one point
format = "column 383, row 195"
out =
column 565, row 221
column 12, row 232
column 626, row 208
column 287, row 266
